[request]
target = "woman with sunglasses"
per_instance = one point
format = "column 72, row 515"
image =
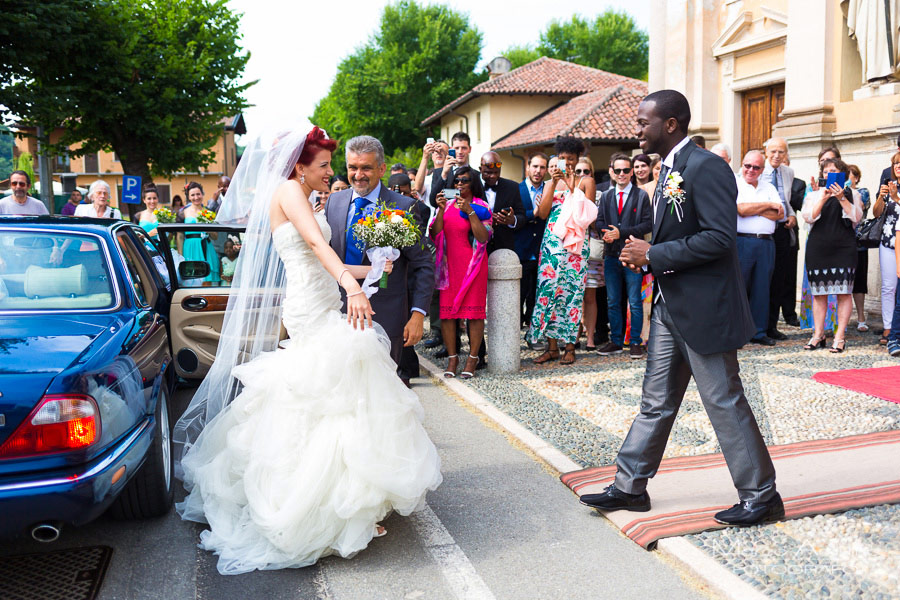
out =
column 569, row 201
column 831, row 213
column 461, row 230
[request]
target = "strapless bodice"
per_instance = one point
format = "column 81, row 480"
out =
column 311, row 292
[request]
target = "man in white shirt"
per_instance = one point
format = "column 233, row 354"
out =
column 529, row 237
column 20, row 203
column 759, row 207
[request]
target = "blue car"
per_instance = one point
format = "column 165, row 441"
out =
column 89, row 310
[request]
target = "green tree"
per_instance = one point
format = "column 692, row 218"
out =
column 422, row 57
column 6, row 152
column 152, row 83
column 612, row 42
column 25, row 163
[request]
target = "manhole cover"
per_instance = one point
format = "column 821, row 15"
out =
column 74, row 574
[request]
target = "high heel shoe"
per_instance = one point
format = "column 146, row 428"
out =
column 838, row 346
column 815, row 344
column 452, row 365
column 467, row 372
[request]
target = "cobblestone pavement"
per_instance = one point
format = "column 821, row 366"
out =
column 585, row 410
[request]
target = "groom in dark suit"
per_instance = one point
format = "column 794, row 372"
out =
column 413, row 272
column 700, row 318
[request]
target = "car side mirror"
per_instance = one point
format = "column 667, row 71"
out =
column 193, row 269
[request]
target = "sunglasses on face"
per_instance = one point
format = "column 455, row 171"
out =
column 494, row 165
column 753, row 168
column 18, row 184
column 582, row 171
column 620, row 171
column 464, row 180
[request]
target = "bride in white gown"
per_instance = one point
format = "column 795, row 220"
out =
column 323, row 440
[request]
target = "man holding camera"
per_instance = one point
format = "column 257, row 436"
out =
column 458, row 155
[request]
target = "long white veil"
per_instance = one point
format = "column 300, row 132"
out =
column 253, row 316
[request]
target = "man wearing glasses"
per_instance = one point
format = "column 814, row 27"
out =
column 759, row 208
column 624, row 212
column 20, row 203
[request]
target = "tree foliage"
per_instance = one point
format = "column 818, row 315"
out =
column 612, row 42
column 152, row 82
column 422, row 57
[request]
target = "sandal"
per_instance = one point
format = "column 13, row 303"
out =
column 884, row 337
column 469, row 372
column 569, row 355
column 547, row 356
column 815, row 344
column 838, row 346
column 452, row 365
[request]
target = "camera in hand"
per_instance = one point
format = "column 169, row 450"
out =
column 451, row 152
column 450, row 193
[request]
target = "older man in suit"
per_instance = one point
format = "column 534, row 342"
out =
column 502, row 195
column 782, row 292
column 700, row 317
column 413, row 272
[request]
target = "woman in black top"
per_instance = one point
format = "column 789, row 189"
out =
column 831, row 252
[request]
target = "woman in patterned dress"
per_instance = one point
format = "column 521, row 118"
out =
column 831, row 252
column 561, row 273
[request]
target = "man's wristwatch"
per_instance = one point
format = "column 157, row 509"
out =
column 647, row 256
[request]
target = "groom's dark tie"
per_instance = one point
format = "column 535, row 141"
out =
column 354, row 253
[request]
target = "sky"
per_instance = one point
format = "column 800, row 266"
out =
column 296, row 45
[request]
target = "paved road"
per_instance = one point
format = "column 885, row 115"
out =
column 500, row 526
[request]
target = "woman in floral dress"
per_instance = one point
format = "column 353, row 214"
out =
column 563, row 261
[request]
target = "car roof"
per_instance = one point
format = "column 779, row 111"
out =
column 61, row 222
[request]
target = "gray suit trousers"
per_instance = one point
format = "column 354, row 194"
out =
column 670, row 364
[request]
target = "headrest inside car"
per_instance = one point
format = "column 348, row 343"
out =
column 42, row 282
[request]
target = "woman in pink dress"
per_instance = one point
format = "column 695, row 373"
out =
column 461, row 230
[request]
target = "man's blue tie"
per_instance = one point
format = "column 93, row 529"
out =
column 354, row 253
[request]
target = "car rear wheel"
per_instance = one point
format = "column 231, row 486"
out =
column 150, row 492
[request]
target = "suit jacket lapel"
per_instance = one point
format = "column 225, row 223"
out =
column 341, row 211
column 678, row 165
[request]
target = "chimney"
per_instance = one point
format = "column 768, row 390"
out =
column 498, row 67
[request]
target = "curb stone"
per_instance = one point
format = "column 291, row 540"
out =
column 718, row 577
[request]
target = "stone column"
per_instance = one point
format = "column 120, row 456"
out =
column 503, row 311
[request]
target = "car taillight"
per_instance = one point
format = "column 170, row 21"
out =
column 59, row 423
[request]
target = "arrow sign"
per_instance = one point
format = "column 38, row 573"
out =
column 131, row 189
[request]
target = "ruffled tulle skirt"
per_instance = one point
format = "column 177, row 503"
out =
column 323, row 442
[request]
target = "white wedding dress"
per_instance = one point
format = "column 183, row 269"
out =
column 322, row 443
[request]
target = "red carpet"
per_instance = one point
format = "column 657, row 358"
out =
column 814, row 477
column 883, row 382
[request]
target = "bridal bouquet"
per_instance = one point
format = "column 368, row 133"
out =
column 164, row 215
column 206, row 216
column 384, row 231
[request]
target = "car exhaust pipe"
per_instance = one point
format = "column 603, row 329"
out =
column 46, row 532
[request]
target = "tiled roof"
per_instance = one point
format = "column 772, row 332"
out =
column 544, row 76
column 604, row 115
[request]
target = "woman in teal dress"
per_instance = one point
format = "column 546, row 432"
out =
column 198, row 245
column 562, row 267
column 146, row 219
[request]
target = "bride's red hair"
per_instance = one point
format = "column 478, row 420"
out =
column 315, row 140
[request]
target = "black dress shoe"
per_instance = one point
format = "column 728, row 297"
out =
column 613, row 498
column 793, row 322
column 442, row 353
column 406, row 382
column 764, row 340
column 433, row 342
column 776, row 335
column 744, row 514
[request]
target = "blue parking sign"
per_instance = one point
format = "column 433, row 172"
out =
column 131, row 189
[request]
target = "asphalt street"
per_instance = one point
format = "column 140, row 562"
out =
column 500, row 526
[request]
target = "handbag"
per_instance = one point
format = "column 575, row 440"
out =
column 868, row 234
column 596, row 247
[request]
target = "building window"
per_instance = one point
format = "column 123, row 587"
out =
column 163, row 191
column 92, row 163
column 61, row 163
column 478, row 126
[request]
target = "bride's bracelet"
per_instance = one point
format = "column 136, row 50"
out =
column 355, row 294
column 341, row 276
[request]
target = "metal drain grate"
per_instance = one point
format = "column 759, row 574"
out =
column 74, row 574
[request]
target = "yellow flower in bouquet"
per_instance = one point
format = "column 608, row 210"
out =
column 206, row 216
column 164, row 215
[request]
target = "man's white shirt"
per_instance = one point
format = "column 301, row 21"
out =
column 763, row 192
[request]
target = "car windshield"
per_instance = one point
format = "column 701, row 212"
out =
column 53, row 271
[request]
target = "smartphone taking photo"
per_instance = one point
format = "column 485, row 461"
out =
column 450, row 193
column 451, row 153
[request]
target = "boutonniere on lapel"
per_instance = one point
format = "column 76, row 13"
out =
column 674, row 194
